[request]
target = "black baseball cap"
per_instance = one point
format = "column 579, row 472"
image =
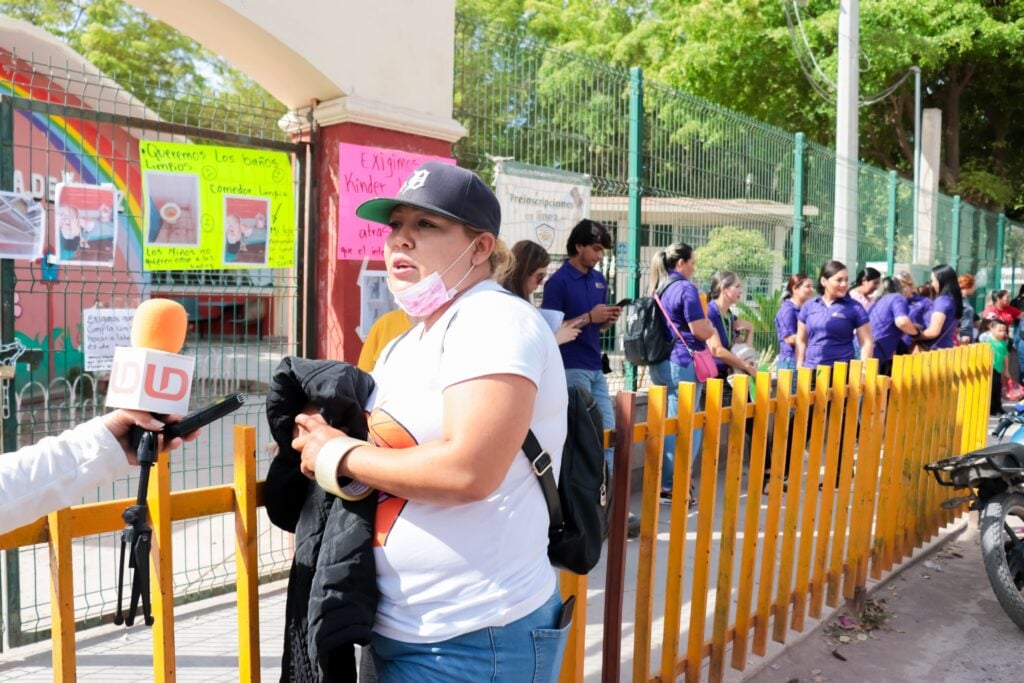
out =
column 444, row 189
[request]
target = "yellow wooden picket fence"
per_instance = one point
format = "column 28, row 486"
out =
column 805, row 544
column 810, row 548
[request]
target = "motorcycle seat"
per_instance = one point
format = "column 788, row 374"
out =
column 1011, row 449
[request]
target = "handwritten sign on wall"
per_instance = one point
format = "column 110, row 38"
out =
column 190, row 222
column 103, row 330
column 365, row 173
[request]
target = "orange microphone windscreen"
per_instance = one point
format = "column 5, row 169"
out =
column 160, row 324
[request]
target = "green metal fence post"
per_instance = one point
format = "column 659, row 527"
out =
column 636, row 130
column 10, row 609
column 1000, row 244
column 955, row 251
column 890, row 225
column 799, row 191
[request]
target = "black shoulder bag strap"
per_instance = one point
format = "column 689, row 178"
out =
column 540, row 462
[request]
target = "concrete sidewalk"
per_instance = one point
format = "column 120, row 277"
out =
column 944, row 624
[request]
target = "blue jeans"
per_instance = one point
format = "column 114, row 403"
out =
column 669, row 375
column 594, row 382
column 787, row 364
column 499, row 654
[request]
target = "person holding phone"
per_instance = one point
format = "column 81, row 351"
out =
column 529, row 269
column 580, row 292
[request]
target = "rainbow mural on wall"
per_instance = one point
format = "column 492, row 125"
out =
column 97, row 156
column 47, row 147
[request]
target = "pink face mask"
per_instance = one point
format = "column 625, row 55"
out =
column 429, row 294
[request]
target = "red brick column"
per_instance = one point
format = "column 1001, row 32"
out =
column 336, row 299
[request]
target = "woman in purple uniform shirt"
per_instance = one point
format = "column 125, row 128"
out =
column 947, row 308
column 671, row 271
column 726, row 289
column 827, row 323
column 889, row 316
column 799, row 290
column 826, row 327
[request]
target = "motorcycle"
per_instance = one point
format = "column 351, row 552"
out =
column 994, row 478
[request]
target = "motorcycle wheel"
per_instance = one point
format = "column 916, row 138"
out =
column 1002, row 549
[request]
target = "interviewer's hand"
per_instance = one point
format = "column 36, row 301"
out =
column 313, row 433
column 120, row 422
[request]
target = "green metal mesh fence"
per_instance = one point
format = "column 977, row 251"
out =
column 74, row 125
column 720, row 181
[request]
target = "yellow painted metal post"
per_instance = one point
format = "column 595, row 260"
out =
column 575, row 646
column 780, row 446
column 924, row 454
column 796, row 472
column 810, row 499
column 162, row 584
column 835, row 426
column 730, row 516
column 748, row 560
column 867, row 470
column 845, row 494
column 894, row 429
column 62, row 596
column 657, row 405
column 246, row 557
column 677, row 531
column 705, row 530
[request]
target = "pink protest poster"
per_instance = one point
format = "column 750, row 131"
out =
column 365, row 173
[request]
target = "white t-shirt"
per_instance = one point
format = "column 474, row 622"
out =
column 444, row 571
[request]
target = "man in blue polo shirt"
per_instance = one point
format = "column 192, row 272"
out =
column 580, row 292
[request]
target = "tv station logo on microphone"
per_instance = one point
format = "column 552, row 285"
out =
column 147, row 379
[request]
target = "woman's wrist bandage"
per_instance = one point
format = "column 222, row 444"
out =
column 328, row 460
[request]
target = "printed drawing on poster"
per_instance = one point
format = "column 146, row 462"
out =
column 173, row 209
column 366, row 173
column 210, row 207
column 540, row 204
column 245, row 230
column 375, row 299
column 85, row 228
column 22, row 226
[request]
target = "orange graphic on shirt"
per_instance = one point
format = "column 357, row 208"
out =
column 387, row 432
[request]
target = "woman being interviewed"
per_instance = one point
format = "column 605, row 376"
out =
column 467, row 592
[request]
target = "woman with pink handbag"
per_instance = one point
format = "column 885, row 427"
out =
column 690, row 360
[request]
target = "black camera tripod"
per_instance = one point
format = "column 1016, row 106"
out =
column 137, row 536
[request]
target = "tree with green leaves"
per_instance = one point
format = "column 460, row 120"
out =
column 171, row 73
column 768, row 59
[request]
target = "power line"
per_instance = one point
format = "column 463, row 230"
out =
column 812, row 70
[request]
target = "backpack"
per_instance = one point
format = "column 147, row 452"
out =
column 579, row 504
column 645, row 338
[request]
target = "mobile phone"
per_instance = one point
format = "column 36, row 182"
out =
column 623, row 302
column 565, row 616
column 204, row 416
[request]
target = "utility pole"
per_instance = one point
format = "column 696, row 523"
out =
column 917, row 157
column 844, row 239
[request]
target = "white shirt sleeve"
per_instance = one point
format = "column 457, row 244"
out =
column 57, row 472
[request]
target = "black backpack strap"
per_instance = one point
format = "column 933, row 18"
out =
column 540, row 463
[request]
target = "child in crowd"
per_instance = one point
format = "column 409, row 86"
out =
column 998, row 334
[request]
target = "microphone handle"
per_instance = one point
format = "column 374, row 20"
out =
column 204, row 416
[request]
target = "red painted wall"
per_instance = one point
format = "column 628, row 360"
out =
column 337, row 296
